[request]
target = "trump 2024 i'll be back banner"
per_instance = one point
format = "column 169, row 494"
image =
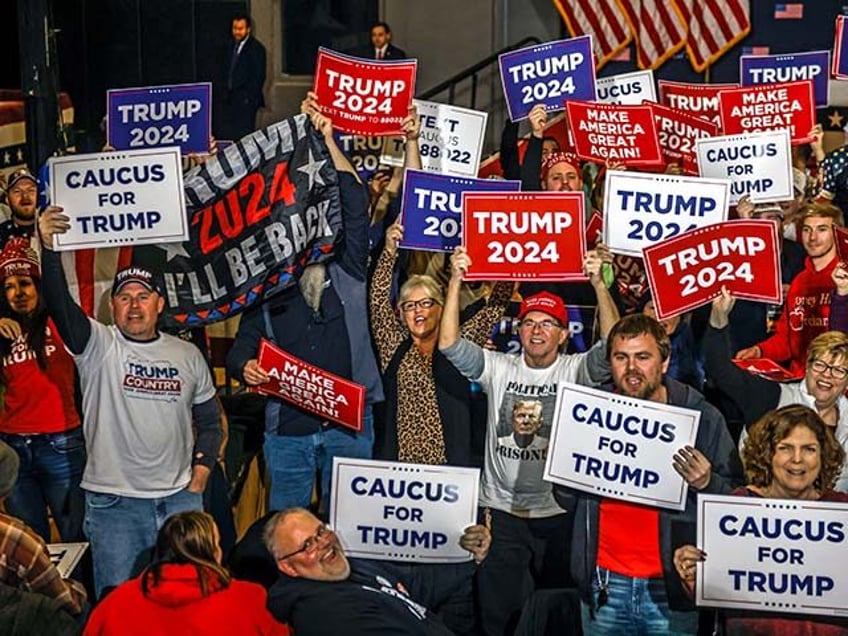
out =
column 258, row 213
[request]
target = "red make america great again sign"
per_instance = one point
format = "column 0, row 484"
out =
column 311, row 388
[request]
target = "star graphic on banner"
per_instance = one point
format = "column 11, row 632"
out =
column 20, row 155
column 835, row 119
column 172, row 250
column 7, row 159
column 313, row 170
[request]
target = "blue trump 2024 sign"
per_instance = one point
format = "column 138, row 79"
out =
column 157, row 116
column 792, row 67
column 548, row 74
column 432, row 208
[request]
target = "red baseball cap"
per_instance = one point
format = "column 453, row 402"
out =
column 559, row 157
column 546, row 302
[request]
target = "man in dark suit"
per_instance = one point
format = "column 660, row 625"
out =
column 382, row 47
column 244, row 80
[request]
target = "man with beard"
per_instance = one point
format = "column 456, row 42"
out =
column 622, row 553
column 22, row 195
column 322, row 320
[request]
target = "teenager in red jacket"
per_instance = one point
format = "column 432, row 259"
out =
column 807, row 308
column 185, row 590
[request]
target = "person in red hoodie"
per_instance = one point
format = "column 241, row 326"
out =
column 185, row 590
column 807, row 308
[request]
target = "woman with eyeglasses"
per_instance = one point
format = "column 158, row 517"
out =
column 428, row 402
column 822, row 388
column 789, row 454
column 185, row 590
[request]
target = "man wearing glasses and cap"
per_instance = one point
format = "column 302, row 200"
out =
column 528, row 526
column 22, row 197
column 151, row 422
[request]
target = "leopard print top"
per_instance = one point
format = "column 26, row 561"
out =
column 419, row 426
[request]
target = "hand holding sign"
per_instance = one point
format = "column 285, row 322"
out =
column 840, row 279
column 394, row 235
column 686, row 559
column 460, row 262
column 721, row 308
column 51, row 222
column 693, row 466
column 477, row 539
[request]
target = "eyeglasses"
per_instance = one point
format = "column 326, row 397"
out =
column 544, row 325
column 411, row 305
column 310, row 545
column 837, row 373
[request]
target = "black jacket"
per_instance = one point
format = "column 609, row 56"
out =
column 248, row 76
column 371, row 601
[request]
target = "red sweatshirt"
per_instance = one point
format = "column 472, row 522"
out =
column 805, row 315
column 176, row 606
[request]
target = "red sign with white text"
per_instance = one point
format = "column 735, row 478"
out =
column 364, row 97
column 700, row 100
column 311, row 388
column 766, row 368
column 677, row 133
column 791, row 105
column 595, row 229
column 840, row 237
column 615, row 133
column 689, row 270
column 528, row 236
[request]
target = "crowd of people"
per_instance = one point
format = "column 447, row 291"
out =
column 113, row 431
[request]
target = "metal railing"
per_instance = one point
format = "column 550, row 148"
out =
column 451, row 83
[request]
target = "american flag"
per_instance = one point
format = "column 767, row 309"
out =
column 789, row 11
column 659, row 28
column 714, row 27
column 602, row 20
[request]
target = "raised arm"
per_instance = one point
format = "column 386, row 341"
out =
column 466, row 356
column 388, row 333
column 752, row 394
column 607, row 310
column 71, row 322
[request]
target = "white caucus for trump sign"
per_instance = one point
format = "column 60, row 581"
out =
column 618, row 446
column 403, row 512
column 777, row 555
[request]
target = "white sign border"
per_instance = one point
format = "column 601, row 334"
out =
column 784, row 133
column 472, row 474
column 678, row 504
column 608, row 223
column 170, row 153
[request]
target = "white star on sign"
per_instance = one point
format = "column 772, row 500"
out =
column 313, row 170
column 173, row 250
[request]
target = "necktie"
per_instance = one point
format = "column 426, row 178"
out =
column 233, row 61
column 380, row 54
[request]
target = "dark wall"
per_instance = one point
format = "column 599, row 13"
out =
column 107, row 44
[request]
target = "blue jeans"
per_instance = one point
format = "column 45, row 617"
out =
column 292, row 461
column 49, row 477
column 122, row 532
column 636, row 607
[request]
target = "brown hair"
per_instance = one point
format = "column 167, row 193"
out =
column 824, row 210
column 775, row 426
column 186, row 538
column 636, row 325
